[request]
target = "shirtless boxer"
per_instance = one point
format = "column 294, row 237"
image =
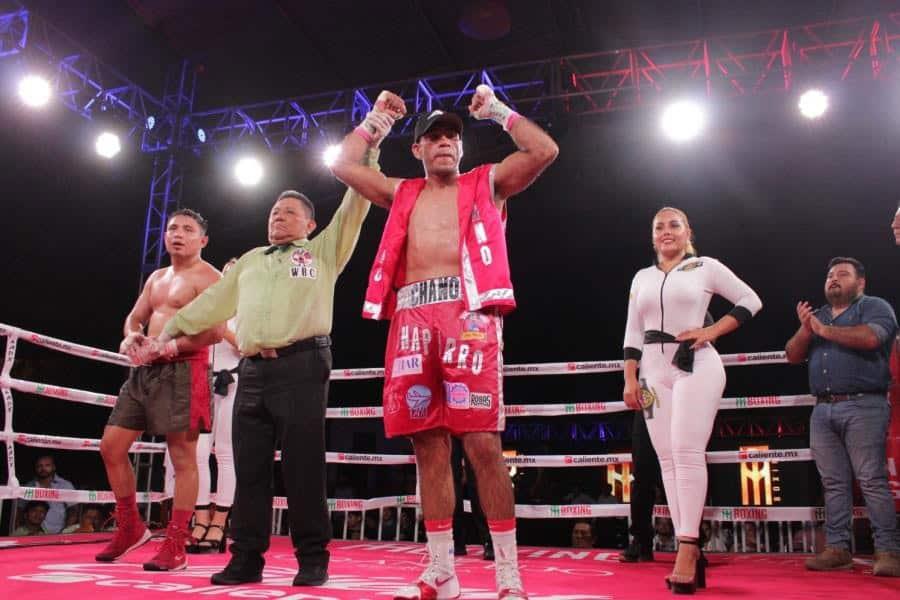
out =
column 442, row 273
column 167, row 393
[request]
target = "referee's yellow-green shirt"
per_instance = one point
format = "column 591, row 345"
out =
column 283, row 295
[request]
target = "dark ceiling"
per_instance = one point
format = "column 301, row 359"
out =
column 253, row 50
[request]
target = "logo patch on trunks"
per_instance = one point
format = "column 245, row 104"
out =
column 457, row 395
column 474, row 326
column 407, row 365
column 418, row 398
column 482, row 401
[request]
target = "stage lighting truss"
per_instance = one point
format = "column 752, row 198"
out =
column 851, row 50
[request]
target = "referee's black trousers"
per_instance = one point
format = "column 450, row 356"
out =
column 281, row 400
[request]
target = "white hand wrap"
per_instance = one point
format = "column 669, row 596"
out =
column 130, row 340
column 375, row 127
column 494, row 109
column 169, row 350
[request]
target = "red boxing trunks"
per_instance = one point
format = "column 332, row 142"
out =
column 443, row 364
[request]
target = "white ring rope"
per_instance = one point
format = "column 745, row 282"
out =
column 576, row 368
column 376, row 412
column 64, row 346
column 527, row 511
column 567, row 368
column 13, row 490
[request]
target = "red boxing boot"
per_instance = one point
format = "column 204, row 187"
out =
column 172, row 555
column 131, row 534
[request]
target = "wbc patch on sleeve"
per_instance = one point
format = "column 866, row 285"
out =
column 691, row 266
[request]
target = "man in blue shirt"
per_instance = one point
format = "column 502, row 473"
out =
column 848, row 343
column 45, row 476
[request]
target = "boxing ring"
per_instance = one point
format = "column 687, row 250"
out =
column 372, row 569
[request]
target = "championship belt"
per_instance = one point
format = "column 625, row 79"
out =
column 649, row 398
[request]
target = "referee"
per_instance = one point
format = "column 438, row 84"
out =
column 283, row 297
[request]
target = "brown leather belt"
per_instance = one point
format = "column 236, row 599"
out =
column 833, row 398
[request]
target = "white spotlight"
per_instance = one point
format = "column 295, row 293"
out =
column 248, row 171
column 34, row 91
column 683, row 120
column 813, row 104
column 331, row 154
column 108, row 144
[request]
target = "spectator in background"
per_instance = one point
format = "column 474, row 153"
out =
column 579, row 495
column 33, row 524
column 344, row 488
column 389, row 523
column 714, row 537
column 371, row 521
column 583, row 535
column 45, row 476
column 665, row 535
column 408, row 532
column 751, row 543
column 610, row 532
column 606, row 496
column 91, row 521
column 407, row 524
column 806, row 537
column 354, row 525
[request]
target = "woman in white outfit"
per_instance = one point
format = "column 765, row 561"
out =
column 681, row 375
column 210, row 521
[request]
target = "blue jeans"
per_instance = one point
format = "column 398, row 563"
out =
column 848, row 439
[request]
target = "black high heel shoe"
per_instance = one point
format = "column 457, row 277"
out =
column 699, row 578
column 208, row 546
column 193, row 542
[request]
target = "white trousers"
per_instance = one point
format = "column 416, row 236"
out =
column 220, row 438
column 680, row 426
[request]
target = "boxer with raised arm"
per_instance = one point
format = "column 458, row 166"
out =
column 442, row 275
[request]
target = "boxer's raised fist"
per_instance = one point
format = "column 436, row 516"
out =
column 481, row 102
column 485, row 105
column 390, row 103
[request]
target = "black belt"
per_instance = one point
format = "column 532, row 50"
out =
column 832, row 398
column 310, row 343
column 684, row 355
